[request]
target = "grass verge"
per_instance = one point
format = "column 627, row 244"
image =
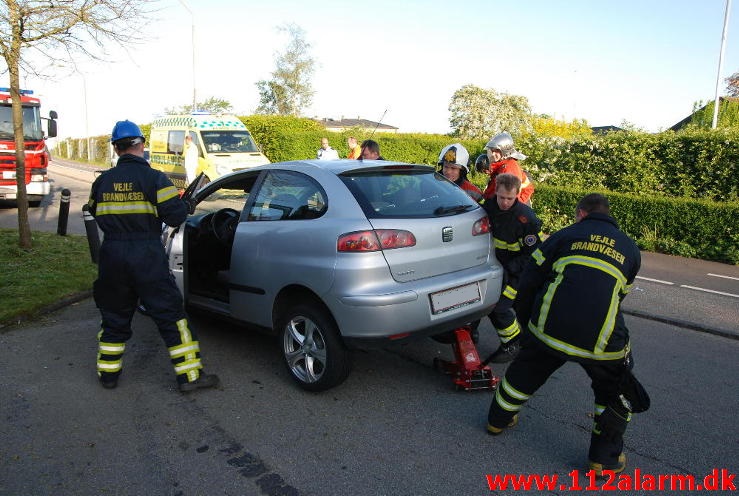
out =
column 55, row 269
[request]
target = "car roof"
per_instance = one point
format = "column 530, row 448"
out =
column 340, row 166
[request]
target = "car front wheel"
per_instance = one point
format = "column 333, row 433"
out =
column 314, row 353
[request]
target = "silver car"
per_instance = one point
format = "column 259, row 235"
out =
column 334, row 254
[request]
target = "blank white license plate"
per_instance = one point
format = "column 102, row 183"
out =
column 8, row 174
column 449, row 299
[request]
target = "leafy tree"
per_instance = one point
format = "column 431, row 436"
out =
column 478, row 113
column 702, row 117
column 32, row 30
column 213, row 105
column 732, row 85
column 290, row 89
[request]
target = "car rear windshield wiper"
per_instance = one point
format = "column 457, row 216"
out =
column 453, row 210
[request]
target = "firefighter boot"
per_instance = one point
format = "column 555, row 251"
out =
column 494, row 431
column 506, row 352
column 617, row 467
column 203, row 381
column 109, row 380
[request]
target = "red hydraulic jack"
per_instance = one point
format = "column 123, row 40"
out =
column 467, row 371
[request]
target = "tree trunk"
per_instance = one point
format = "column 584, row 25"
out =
column 24, row 228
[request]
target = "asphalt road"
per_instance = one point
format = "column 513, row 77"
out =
column 395, row 427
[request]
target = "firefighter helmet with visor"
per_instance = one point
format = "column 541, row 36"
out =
column 503, row 142
column 456, row 154
column 482, row 163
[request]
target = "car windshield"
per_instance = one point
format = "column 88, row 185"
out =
column 409, row 192
column 229, row 141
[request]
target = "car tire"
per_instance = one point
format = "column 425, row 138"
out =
column 312, row 348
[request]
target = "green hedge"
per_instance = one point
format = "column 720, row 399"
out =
column 695, row 163
column 676, row 226
column 284, row 138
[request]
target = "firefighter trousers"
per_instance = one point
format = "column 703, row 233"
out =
column 531, row 369
column 503, row 316
column 133, row 271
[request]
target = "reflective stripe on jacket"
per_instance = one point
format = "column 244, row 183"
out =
column 571, row 290
column 131, row 200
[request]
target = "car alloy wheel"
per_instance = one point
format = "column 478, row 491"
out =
column 313, row 350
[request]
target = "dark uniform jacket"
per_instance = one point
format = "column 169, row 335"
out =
column 516, row 233
column 571, row 290
column 131, row 200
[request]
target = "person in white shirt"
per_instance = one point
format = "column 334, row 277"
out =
column 191, row 159
column 326, row 152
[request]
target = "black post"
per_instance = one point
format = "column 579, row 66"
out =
column 91, row 228
column 61, row 228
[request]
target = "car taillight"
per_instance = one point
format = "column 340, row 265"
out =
column 482, row 226
column 379, row 239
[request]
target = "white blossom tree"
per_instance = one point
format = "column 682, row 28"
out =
column 478, row 113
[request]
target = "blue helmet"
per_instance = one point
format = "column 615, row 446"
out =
column 125, row 129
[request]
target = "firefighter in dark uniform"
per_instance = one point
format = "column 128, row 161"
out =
column 516, row 233
column 570, row 295
column 130, row 202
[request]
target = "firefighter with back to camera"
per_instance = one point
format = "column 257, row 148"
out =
column 515, row 234
column 130, row 202
column 570, row 295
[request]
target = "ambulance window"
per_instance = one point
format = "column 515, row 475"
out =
column 175, row 142
column 232, row 194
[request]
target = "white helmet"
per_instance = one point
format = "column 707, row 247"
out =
column 456, row 154
column 504, row 143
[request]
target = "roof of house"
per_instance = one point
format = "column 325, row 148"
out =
column 349, row 123
column 605, row 129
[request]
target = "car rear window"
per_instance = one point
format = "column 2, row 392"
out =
column 398, row 192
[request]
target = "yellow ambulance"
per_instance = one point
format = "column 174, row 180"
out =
column 223, row 144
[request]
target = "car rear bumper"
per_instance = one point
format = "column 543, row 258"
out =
column 405, row 313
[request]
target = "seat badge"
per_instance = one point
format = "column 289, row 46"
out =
column 447, row 234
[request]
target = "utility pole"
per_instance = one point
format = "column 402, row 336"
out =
column 192, row 16
column 90, row 155
column 720, row 64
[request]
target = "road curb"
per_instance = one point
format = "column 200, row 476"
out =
column 684, row 324
column 64, row 302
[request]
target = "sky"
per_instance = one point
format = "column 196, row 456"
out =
column 642, row 62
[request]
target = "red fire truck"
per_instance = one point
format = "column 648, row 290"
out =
column 37, row 155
